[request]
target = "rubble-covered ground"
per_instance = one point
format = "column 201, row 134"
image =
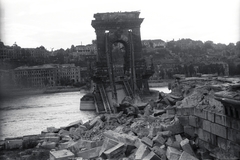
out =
column 144, row 128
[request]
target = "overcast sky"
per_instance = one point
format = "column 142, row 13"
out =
column 62, row 23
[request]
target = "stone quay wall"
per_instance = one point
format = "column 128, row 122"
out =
column 212, row 129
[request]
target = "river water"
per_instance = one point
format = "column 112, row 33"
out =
column 31, row 114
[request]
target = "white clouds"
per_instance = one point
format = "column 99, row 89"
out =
column 61, row 23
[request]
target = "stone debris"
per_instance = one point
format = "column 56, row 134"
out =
column 142, row 130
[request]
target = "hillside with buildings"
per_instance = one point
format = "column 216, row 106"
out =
column 38, row 67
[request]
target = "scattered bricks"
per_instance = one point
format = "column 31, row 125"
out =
column 189, row 131
column 174, row 126
column 30, row 141
column 206, row 125
column 202, row 113
column 193, row 121
column 147, row 141
column 130, row 150
column 90, row 153
column 211, row 116
column 142, row 151
column 159, row 139
column 63, row 132
column 222, row 119
column 235, row 124
column 94, row 121
column 160, row 152
column 152, row 156
column 172, row 153
column 73, row 124
column 114, row 152
column 61, row 155
column 219, row 130
column 13, row 143
column 63, row 145
column 176, row 145
column 187, row 156
column 170, row 141
column 119, row 129
column 50, row 134
column 178, row 138
column 125, row 138
column 107, row 144
column 222, row 143
column 48, row 145
column 52, row 130
column 51, row 139
column 165, row 133
column 187, row 147
column 154, row 130
column 184, row 120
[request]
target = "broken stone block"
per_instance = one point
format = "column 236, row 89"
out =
column 174, row 126
column 75, row 124
column 48, row 145
column 63, row 145
column 172, row 153
column 165, row 133
column 61, row 155
column 13, row 143
column 178, row 138
column 114, row 152
column 152, row 156
column 189, row 131
column 159, row 139
column 89, row 153
column 107, row 144
column 170, row 141
column 52, row 130
column 142, row 151
column 160, row 152
column 78, row 145
column 63, row 132
column 125, row 138
column 187, row 147
column 30, row 141
column 130, row 150
column 187, row 156
column 147, row 141
column 154, row 130
column 51, row 139
column 119, row 129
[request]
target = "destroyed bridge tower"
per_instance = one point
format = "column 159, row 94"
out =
column 120, row 69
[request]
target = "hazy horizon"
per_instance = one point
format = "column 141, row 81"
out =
column 62, row 23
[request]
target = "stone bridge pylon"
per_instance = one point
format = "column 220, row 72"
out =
column 120, row 69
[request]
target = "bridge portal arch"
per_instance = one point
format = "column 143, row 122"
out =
column 120, row 28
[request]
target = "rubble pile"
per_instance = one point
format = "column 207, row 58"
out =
column 150, row 131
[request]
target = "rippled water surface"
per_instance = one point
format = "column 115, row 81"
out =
column 31, row 114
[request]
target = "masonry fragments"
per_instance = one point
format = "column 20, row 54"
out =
column 195, row 127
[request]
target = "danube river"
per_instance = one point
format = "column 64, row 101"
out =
column 31, row 114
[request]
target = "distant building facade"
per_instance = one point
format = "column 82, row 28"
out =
column 46, row 75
